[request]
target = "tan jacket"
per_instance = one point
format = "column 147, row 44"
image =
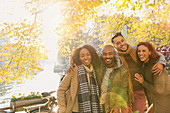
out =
column 67, row 92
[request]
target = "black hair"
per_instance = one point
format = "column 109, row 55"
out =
column 116, row 35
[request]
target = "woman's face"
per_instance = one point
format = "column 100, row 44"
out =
column 85, row 57
column 143, row 53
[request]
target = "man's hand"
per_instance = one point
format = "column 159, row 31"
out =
column 157, row 69
column 139, row 78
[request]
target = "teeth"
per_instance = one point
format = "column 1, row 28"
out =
column 107, row 59
column 86, row 61
column 123, row 46
column 141, row 56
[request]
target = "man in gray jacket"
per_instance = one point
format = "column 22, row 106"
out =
column 114, row 85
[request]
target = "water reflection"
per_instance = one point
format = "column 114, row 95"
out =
column 46, row 80
column 4, row 91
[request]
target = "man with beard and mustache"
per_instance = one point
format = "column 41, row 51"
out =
column 114, row 83
column 129, row 58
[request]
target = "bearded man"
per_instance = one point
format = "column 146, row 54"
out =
column 114, row 83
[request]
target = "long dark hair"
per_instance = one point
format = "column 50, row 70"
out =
column 154, row 54
column 95, row 59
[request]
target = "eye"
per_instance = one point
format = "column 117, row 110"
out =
column 88, row 54
column 110, row 53
column 104, row 54
column 122, row 40
column 81, row 55
column 118, row 43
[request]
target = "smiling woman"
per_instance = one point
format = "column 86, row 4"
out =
column 84, row 80
column 143, row 53
column 85, row 57
column 157, row 87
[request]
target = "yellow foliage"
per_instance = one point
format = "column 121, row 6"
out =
column 19, row 82
column 27, row 52
column 18, row 56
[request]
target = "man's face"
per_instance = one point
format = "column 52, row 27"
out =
column 120, row 43
column 108, row 55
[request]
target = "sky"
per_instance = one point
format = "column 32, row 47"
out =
column 13, row 11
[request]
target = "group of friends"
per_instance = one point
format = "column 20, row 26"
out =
column 118, row 81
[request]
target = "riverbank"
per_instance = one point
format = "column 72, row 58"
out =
column 44, row 81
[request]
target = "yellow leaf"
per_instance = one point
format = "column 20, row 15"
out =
column 5, row 24
column 19, row 82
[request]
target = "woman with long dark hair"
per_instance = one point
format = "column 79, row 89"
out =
column 157, row 87
column 79, row 91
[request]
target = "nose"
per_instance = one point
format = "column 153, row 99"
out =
column 121, row 43
column 85, row 57
column 139, row 53
column 107, row 55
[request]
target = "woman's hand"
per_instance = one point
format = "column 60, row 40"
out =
column 139, row 78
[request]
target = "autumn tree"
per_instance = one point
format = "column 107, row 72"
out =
column 22, row 53
column 144, row 20
column 151, row 25
column 76, row 14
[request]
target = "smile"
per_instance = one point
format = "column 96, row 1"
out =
column 141, row 57
column 108, row 59
column 86, row 61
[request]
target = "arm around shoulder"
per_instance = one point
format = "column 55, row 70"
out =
column 162, row 59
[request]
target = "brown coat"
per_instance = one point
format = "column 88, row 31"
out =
column 132, row 53
column 69, row 85
column 157, row 88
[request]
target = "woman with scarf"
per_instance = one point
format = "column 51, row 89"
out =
column 79, row 91
column 157, row 87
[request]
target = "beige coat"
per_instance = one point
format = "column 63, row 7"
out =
column 66, row 102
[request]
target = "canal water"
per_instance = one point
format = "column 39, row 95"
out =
column 44, row 81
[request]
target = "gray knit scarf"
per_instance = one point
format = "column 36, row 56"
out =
column 88, row 100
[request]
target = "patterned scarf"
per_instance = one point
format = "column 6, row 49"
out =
column 88, row 100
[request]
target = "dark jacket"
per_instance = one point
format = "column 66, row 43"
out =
column 157, row 88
